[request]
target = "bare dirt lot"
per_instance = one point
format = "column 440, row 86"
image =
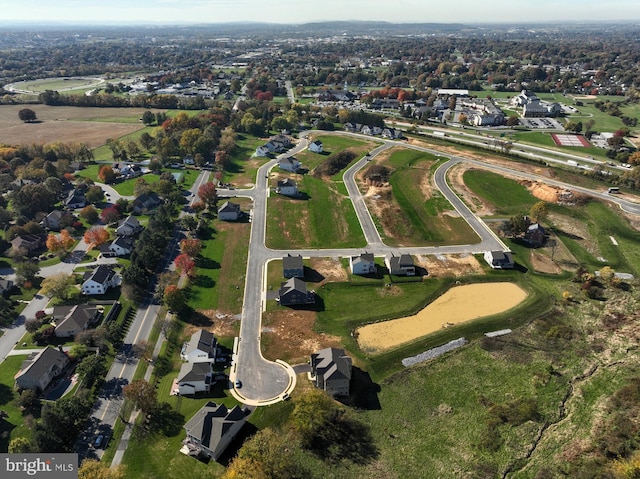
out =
column 66, row 124
column 455, row 265
column 458, row 305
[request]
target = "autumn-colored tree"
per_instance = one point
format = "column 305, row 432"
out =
column 106, row 174
column 142, row 394
column 198, row 207
column 96, row 236
column 94, row 469
column 58, row 285
column 607, row 273
column 191, row 247
column 207, row 193
column 110, row 215
column 89, row 213
column 184, row 264
column 66, row 240
column 53, row 244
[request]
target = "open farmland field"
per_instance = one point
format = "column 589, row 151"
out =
column 67, row 124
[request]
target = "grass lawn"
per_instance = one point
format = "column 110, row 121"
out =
column 12, row 426
column 332, row 144
column 323, row 218
column 221, row 269
column 242, row 166
column 507, row 196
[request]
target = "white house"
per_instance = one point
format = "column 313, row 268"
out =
column 499, row 259
column 362, row 264
column 100, row 280
column 202, row 347
column 228, row 211
column 128, row 226
column 194, row 378
column 121, row 246
column 289, row 163
column 316, row 147
column 287, row 187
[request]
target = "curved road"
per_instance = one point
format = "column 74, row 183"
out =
column 263, row 381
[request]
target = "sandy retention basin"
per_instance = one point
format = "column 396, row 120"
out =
column 458, row 305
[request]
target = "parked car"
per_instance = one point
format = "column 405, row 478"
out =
column 98, row 441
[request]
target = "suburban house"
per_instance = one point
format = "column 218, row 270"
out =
column 99, row 280
column 499, row 259
column 277, row 144
column 289, row 163
column 362, row 264
column 194, row 378
column 40, row 369
column 294, row 292
column 535, row 235
column 400, row 265
column 263, row 151
column 121, row 246
column 202, row 347
column 52, row 220
column 229, row 211
column 287, row 187
column 128, row 226
column 211, row 429
column 70, row 320
column 6, row 285
column 316, row 147
column 391, row 133
column 144, row 203
column 75, row 199
column 331, row 371
column 130, row 171
column 292, row 267
column 29, row 243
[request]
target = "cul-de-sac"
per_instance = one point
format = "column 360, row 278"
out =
column 243, row 242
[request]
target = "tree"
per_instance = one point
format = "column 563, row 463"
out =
column 96, row 236
column 191, row 247
column 27, row 115
column 142, row 394
column 207, row 193
column 58, row 285
column 93, row 469
column 538, row 212
column 110, row 215
column 66, row 240
column 89, row 213
column 106, row 174
column 184, row 264
column 607, row 273
column 53, row 244
column 26, row 271
column 148, row 117
column 94, row 195
column 174, row 298
column 143, row 349
column 21, row 445
column 60, row 243
column 91, row 369
column 146, row 140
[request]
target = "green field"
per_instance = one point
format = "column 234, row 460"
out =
column 332, row 144
column 323, row 218
column 507, row 196
column 12, row 426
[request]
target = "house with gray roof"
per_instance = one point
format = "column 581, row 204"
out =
column 40, row 369
column 499, row 259
column 229, row 211
column 401, row 265
column 52, row 220
column 100, row 280
column 129, row 226
column 202, row 347
column 211, row 429
column 294, row 292
column 194, row 378
column 71, row 320
column 121, row 246
column 316, row 147
column 362, row 264
column 287, row 187
column 331, row 371
column 292, row 266
column 289, row 163
column 6, row 285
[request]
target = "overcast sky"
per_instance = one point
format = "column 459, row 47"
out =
column 301, row 11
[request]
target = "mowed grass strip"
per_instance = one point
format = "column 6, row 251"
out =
column 332, row 144
column 12, row 426
column 324, row 219
column 507, row 196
